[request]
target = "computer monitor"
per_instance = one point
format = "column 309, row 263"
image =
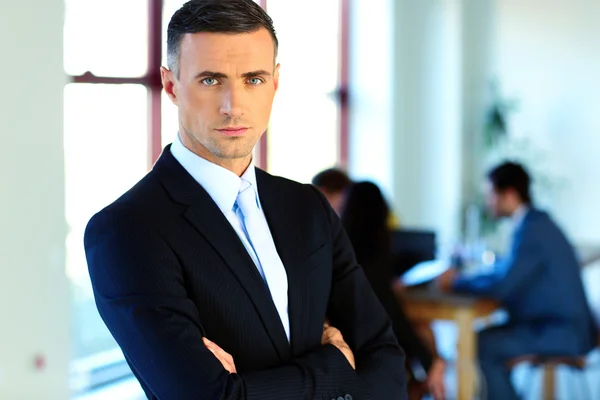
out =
column 410, row 247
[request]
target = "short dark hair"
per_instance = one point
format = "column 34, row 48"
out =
column 333, row 180
column 510, row 175
column 365, row 218
column 217, row 16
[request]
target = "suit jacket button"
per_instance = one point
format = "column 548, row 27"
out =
column 348, row 397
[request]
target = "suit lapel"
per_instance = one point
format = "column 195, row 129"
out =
column 289, row 243
column 209, row 221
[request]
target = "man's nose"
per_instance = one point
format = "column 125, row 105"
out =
column 232, row 103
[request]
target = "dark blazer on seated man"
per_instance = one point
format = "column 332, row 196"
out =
column 538, row 283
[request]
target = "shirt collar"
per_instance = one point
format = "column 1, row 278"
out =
column 221, row 184
column 248, row 182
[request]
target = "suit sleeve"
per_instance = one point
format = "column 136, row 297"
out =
column 140, row 292
column 356, row 311
column 511, row 275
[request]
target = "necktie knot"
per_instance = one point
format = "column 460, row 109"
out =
column 246, row 199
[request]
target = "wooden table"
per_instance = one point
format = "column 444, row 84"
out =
column 426, row 305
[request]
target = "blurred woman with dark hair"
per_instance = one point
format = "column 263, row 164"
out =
column 365, row 215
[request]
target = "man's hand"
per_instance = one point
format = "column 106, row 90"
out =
column 333, row 336
column 398, row 287
column 446, row 280
column 225, row 358
column 435, row 379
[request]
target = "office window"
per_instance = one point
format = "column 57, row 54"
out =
column 111, row 138
column 107, row 38
column 304, row 134
column 104, row 156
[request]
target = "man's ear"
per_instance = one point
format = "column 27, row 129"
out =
column 276, row 77
column 169, row 82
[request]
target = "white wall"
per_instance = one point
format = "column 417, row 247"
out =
column 406, row 107
column 547, row 57
column 428, row 115
column 34, row 298
column 478, row 27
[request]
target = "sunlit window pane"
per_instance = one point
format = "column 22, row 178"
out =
column 299, row 150
column 105, row 139
column 304, row 123
column 107, row 38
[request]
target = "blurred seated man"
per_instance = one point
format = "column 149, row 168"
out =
column 539, row 285
column 332, row 182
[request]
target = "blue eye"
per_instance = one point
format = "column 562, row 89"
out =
column 209, row 81
column 255, row 81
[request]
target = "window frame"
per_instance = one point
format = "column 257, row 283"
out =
column 341, row 93
column 152, row 81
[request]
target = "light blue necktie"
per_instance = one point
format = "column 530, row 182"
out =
column 269, row 262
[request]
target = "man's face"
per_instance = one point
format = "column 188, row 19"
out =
column 224, row 92
column 336, row 199
column 497, row 202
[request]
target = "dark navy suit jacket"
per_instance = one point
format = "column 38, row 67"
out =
column 539, row 284
column 167, row 269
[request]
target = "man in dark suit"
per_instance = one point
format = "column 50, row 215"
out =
column 216, row 278
column 539, row 284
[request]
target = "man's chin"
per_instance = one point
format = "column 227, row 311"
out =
column 233, row 155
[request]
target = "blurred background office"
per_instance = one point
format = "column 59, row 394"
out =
column 418, row 96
